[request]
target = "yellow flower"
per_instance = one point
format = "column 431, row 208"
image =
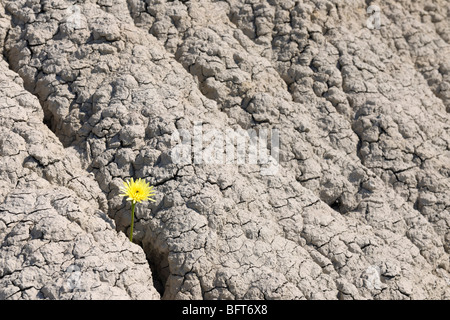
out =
column 137, row 191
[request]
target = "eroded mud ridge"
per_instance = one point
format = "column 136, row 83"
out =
column 91, row 93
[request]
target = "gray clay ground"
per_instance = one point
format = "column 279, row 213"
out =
column 91, row 93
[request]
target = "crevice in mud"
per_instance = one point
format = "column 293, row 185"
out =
column 48, row 121
column 159, row 265
column 336, row 205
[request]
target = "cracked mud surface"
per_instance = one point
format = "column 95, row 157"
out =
column 91, row 93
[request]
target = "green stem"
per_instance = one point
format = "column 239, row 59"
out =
column 133, row 205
